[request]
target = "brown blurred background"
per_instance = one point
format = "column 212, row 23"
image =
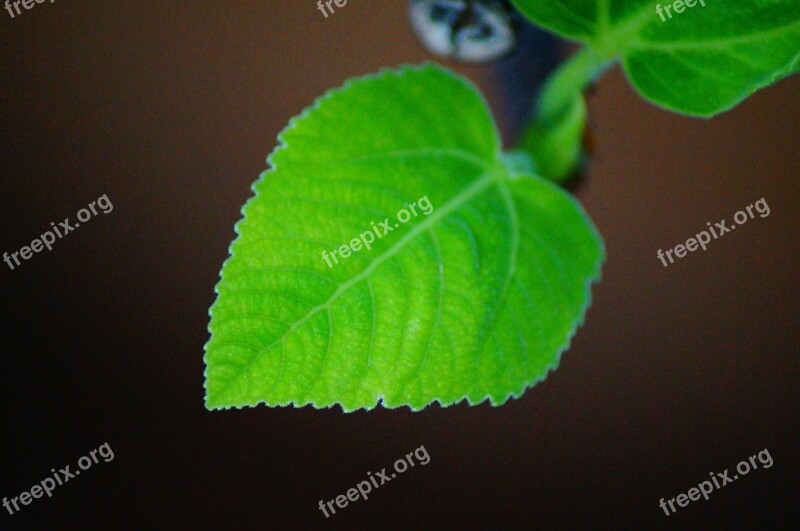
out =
column 171, row 111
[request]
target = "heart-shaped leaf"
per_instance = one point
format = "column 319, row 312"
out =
column 698, row 57
column 473, row 296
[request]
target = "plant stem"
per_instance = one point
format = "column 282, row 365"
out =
column 554, row 138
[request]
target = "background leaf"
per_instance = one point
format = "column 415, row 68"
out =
column 475, row 300
column 702, row 61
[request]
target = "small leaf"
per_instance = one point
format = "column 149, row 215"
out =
column 701, row 61
column 472, row 298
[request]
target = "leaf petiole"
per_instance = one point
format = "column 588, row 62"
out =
column 554, row 138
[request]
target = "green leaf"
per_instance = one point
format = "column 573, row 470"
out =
column 474, row 299
column 701, row 61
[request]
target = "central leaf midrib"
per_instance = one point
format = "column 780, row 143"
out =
column 623, row 35
column 484, row 181
column 613, row 39
column 717, row 42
